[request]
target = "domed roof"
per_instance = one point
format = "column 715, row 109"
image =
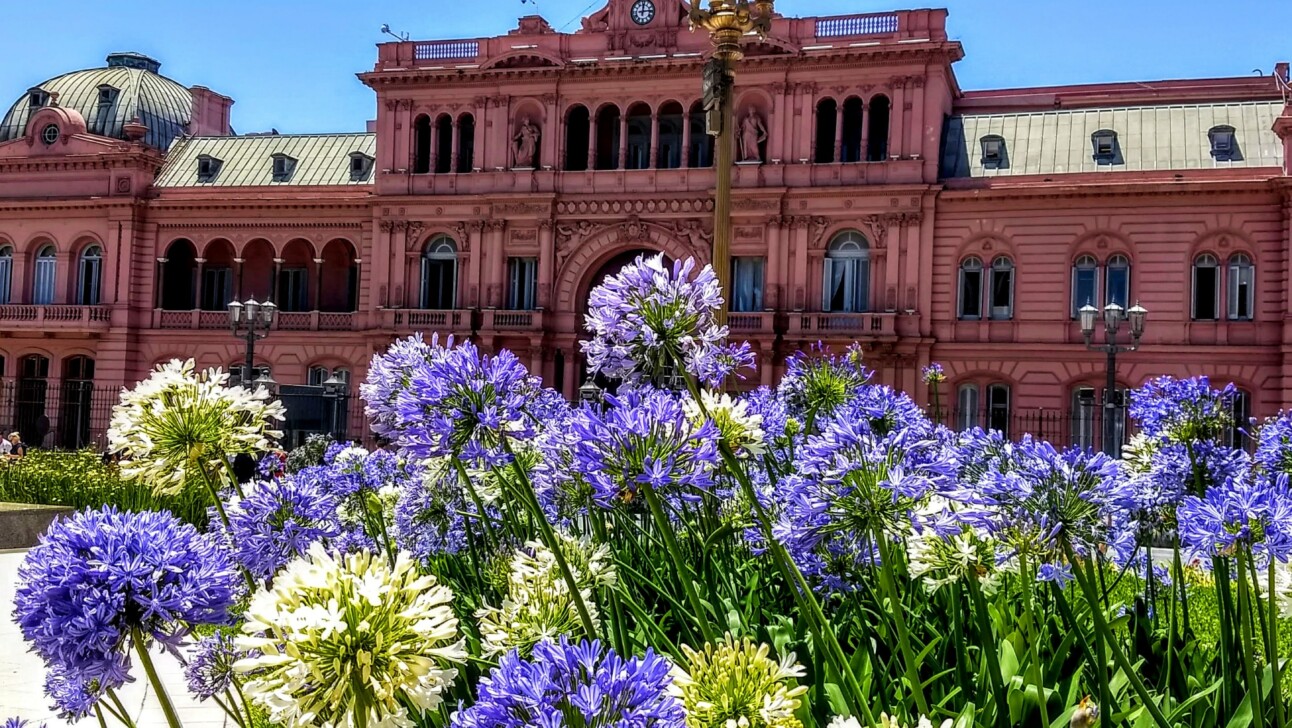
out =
column 109, row 98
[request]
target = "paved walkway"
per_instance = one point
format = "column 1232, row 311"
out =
column 22, row 676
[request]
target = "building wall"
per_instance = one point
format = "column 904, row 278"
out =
column 805, row 190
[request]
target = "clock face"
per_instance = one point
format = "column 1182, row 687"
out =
column 643, row 11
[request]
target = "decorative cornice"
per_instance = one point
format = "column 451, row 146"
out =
column 259, row 224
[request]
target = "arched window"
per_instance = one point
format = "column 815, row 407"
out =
column 1241, row 410
column 439, row 273
column 826, row 111
column 1118, row 281
column 466, row 142
column 700, row 143
column 1206, row 288
column 638, row 137
column 670, row 136
column 89, row 276
column 1002, row 289
column 30, row 397
column 443, row 144
column 42, row 281
column 577, row 127
column 422, row 145
column 1085, row 283
column 968, row 415
column 846, row 281
column 877, row 144
column 607, row 137
column 75, row 408
column 970, row 307
column 6, row 272
column 850, row 139
column 1083, row 417
column 1242, row 288
column 998, row 408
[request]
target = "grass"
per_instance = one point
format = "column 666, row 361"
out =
column 80, row 480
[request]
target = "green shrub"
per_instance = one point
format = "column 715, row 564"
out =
column 81, row 480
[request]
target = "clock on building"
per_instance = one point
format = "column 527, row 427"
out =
column 643, row 11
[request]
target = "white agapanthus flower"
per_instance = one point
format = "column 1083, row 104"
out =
column 179, row 422
column 737, row 681
column 538, row 605
column 938, row 560
column 350, row 641
column 738, row 427
column 840, row 721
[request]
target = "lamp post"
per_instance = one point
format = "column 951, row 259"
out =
column 251, row 322
column 1114, row 315
column 335, row 391
column 727, row 22
column 590, row 393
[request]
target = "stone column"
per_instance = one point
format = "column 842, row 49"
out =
column 592, row 142
column 273, row 284
column 571, row 383
column 497, row 256
column 654, row 140
column 435, row 147
column 838, row 131
column 161, row 282
column 772, row 282
column 475, row 248
column 453, row 147
column 865, row 129
column 546, row 263
column 897, row 120
column 317, row 298
column 623, row 141
column 686, row 138
column 776, row 146
column 237, row 296
column 807, row 121
column 199, row 284
column 917, row 126
column 799, row 291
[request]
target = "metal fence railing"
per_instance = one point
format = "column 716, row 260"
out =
column 51, row 413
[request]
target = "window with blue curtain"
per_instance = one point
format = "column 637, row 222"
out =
column 746, row 284
column 846, row 279
column 42, row 280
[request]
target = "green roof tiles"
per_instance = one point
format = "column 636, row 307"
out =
column 248, row 161
column 1149, row 138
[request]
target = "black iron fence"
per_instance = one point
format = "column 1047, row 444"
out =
column 51, row 413
column 1082, row 427
column 313, row 410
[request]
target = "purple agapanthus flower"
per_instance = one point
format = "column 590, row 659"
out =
column 16, row 722
column 1058, row 573
column 648, row 318
column 565, row 684
column 433, row 512
column 389, row 374
column 933, row 373
column 1183, row 410
column 816, row 383
column 1248, row 512
column 277, row 521
column 100, row 574
column 1274, row 444
column 644, row 437
column 209, row 671
column 75, row 696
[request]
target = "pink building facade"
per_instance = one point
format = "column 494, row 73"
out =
column 874, row 202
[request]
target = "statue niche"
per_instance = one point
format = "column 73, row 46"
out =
column 524, row 150
column 752, row 135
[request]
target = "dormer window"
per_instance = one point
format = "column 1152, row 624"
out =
column 360, row 165
column 1104, row 142
column 993, row 151
column 283, row 167
column 1224, row 146
column 37, row 98
column 107, row 94
column 207, row 168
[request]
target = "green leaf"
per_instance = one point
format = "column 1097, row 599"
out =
column 1193, row 699
column 1243, row 716
column 1008, row 661
column 834, row 696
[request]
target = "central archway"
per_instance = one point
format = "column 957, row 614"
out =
column 612, row 267
column 590, row 260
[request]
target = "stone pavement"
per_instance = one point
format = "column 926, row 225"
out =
column 22, row 676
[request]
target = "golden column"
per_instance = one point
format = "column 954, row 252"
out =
column 727, row 22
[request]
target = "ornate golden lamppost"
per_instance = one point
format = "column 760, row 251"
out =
column 728, row 23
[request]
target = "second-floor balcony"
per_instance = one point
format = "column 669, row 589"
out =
column 419, row 319
column 55, row 317
column 507, row 320
column 286, row 320
column 858, row 325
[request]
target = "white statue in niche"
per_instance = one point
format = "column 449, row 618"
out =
column 752, row 133
column 525, row 144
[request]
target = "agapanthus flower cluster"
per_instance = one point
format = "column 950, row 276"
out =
column 1183, row 410
column 933, row 374
column 738, row 427
column 648, row 318
column 816, row 383
column 209, row 671
column 885, row 721
column 275, row 521
column 434, row 514
column 350, row 638
column 938, row 559
column 102, row 578
column 391, row 373
column 1252, row 512
column 644, row 438
column 76, row 696
column 178, row 424
column 1274, row 444
column 575, row 684
column 539, row 605
column 737, row 683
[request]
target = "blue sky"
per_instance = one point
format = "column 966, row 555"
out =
column 290, row 64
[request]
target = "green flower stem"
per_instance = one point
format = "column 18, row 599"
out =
column 1034, row 644
column 958, row 633
column 899, row 620
column 119, row 711
column 1105, row 635
column 1249, row 649
column 168, row 709
column 526, row 491
column 237, row 688
column 683, row 571
column 987, row 641
column 1224, row 595
column 1273, row 650
column 224, row 519
column 228, row 709
column 617, row 633
column 490, row 536
column 98, row 713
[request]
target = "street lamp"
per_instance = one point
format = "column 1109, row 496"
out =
column 728, row 22
column 1113, row 316
column 590, row 393
column 335, row 391
column 251, row 321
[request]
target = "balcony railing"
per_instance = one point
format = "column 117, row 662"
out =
column 853, row 25
column 852, row 324
column 424, row 319
column 287, row 320
column 751, row 323
column 58, row 317
column 513, row 320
